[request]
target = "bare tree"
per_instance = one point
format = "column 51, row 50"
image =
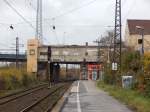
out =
column 107, row 39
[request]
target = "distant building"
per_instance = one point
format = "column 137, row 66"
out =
column 133, row 35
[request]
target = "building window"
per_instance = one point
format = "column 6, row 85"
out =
column 140, row 41
column 32, row 52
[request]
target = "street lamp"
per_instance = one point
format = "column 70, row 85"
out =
column 142, row 34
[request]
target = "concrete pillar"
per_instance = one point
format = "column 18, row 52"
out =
column 32, row 54
column 83, row 71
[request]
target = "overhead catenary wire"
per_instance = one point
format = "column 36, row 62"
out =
column 73, row 10
column 129, row 11
column 54, row 31
column 67, row 12
column 70, row 11
column 30, row 4
column 20, row 15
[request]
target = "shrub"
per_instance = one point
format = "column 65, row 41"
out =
column 15, row 81
column 12, row 78
column 26, row 80
column 2, row 83
column 147, row 89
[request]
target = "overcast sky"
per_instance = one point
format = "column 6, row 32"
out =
column 76, row 21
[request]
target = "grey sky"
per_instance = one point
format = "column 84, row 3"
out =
column 84, row 24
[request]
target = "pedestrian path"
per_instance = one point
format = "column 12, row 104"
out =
column 86, row 97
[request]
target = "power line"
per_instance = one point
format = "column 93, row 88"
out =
column 54, row 31
column 67, row 12
column 73, row 10
column 19, row 14
column 28, row 22
column 98, row 42
column 129, row 11
column 84, row 25
column 30, row 4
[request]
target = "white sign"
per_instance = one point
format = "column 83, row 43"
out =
column 114, row 66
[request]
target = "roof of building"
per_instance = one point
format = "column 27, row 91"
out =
column 132, row 23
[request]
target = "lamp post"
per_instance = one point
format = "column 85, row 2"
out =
column 141, row 29
column 142, row 34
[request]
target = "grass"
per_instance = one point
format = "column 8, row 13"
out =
column 133, row 99
column 12, row 80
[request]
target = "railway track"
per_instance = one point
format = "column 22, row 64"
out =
column 39, row 100
column 14, row 96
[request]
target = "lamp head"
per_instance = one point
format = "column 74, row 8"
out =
column 140, row 27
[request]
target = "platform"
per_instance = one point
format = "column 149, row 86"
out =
column 86, row 97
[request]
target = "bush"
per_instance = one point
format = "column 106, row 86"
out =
column 147, row 89
column 12, row 78
column 2, row 83
column 15, row 82
column 25, row 80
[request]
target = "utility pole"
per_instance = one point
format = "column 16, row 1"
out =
column 67, row 72
column 48, row 65
column 39, row 28
column 98, row 49
column 17, row 52
column 117, row 42
column 17, row 48
column 141, row 41
column 98, row 41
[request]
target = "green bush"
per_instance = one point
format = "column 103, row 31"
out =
column 25, row 80
column 28, row 80
column 12, row 78
column 2, row 83
column 147, row 89
column 14, row 82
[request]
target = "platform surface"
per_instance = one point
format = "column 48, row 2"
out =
column 86, row 97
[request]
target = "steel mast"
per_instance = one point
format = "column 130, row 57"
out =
column 39, row 29
column 117, row 42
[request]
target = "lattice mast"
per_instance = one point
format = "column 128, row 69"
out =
column 117, row 36
column 39, row 29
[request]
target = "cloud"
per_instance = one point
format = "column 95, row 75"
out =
column 85, row 24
